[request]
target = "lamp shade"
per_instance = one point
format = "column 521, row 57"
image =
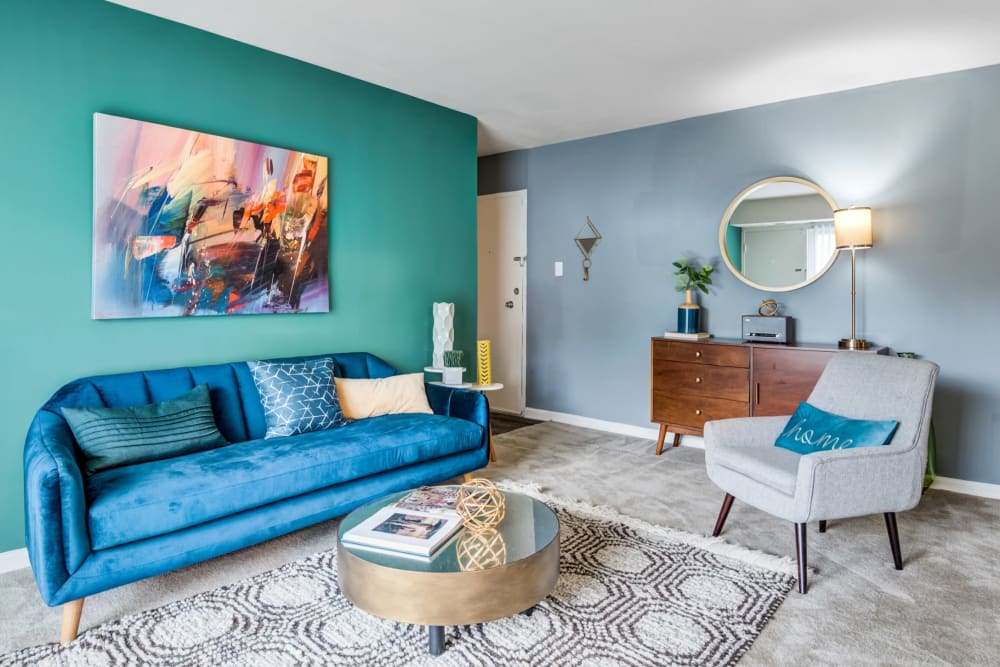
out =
column 853, row 227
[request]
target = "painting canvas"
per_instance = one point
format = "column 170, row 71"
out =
column 188, row 223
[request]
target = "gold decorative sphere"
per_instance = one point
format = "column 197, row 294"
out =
column 481, row 551
column 481, row 504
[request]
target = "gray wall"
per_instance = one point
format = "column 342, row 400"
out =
column 925, row 154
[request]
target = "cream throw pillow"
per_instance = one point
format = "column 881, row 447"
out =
column 360, row 399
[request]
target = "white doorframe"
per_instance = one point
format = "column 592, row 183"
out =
column 522, row 195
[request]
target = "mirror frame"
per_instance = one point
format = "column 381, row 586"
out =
column 729, row 214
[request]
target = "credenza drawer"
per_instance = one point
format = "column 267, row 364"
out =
column 680, row 377
column 699, row 353
column 694, row 411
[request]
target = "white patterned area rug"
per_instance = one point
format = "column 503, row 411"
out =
column 629, row 593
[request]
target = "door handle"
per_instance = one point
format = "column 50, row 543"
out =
column 509, row 304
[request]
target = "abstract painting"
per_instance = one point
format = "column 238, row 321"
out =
column 188, row 223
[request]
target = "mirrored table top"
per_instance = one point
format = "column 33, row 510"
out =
column 528, row 527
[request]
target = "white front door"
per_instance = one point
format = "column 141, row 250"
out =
column 503, row 249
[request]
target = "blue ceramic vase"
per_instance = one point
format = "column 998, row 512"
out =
column 688, row 314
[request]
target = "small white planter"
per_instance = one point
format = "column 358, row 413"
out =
column 452, row 375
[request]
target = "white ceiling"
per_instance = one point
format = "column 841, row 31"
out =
column 537, row 72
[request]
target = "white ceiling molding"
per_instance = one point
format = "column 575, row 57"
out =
column 537, row 72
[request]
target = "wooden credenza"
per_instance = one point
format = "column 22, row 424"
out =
column 695, row 382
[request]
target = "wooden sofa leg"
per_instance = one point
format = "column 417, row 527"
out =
column 493, row 451
column 800, row 554
column 71, row 620
column 822, row 525
column 727, row 504
column 468, row 476
column 890, row 525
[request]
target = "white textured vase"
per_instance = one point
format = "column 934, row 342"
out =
column 443, row 335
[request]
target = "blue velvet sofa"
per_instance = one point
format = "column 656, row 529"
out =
column 87, row 534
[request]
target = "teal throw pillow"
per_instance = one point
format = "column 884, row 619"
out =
column 297, row 396
column 115, row 437
column 813, row 430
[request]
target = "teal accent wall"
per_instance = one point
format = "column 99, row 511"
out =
column 402, row 204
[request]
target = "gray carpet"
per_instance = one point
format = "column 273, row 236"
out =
column 943, row 609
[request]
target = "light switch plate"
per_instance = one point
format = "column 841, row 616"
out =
column 559, row 270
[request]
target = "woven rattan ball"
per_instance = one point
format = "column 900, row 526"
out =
column 481, row 551
column 481, row 504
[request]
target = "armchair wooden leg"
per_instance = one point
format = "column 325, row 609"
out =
column 822, row 525
column 71, row 620
column 800, row 553
column 727, row 504
column 468, row 476
column 890, row 525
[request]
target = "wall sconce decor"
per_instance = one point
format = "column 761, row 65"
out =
column 586, row 240
column 853, row 229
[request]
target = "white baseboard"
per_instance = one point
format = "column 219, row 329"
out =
column 982, row 489
column 608, row 426
column 13, row 560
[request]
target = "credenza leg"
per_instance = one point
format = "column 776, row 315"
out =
column 661, row 438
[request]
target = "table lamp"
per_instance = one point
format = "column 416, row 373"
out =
column 853, row 229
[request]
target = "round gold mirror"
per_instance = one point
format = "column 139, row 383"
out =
column 777, row 235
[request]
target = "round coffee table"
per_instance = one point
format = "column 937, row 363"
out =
column 474, row 578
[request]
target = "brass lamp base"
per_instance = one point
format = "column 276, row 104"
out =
column 853, row 344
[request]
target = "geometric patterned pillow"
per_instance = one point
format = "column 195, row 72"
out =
column 298, row 397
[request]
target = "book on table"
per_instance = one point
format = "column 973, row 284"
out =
column 404, row 531
column 431, row 499
column 680, row 335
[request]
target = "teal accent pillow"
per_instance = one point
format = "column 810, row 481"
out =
column 115, row 437
column 813, row 430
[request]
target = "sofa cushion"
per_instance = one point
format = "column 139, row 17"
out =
column 140, row 501
column 114, row 437
column 298, row 396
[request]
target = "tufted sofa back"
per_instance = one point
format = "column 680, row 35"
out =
column 235, row 399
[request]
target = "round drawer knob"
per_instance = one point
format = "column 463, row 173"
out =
column 697, row 412
column 697, row 380
column 697, row 355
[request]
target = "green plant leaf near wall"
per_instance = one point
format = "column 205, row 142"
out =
column 402, row 200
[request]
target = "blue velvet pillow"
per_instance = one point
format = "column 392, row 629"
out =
column 813, row 430
column 298, row 397
column 114, row 437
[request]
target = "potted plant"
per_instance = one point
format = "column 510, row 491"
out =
column 452, row 367
column 689, row 278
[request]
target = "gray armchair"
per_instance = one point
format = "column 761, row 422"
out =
column 741, row 458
